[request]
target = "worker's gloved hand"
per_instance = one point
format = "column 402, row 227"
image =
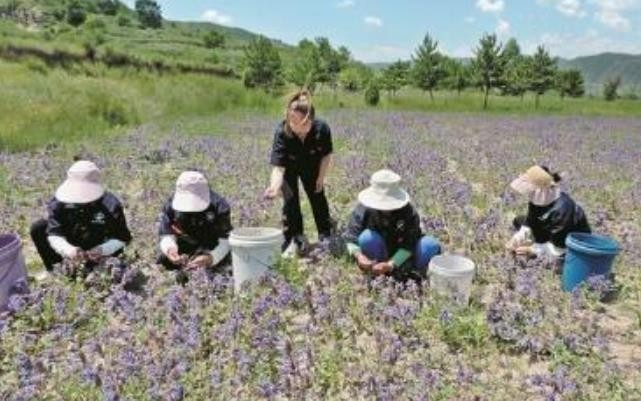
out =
column 200, row 262
column 174, row 256
column 520, row 239
column 94, row 255
column 382, row 268
column 364, row 262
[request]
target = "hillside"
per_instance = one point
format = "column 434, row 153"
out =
column 41, row 24
column 599, row 68
column 596, row 69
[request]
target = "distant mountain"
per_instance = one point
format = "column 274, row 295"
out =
column 599, row 68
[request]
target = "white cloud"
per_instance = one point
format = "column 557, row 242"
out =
column 470, row 20
column 216, row 17
column 502, row 28
column 345, row 3
column 611, row 13
column 490, row 5
column 382, row 53
column 570, row 8
column 613, row 19
column 373, row 21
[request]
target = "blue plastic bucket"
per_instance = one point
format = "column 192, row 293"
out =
column 587, row 255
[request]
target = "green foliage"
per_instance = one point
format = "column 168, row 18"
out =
column 263, row 67
column 109, row 7
column 611, row 88
column 214, row 40
column 305, row 70
column 123, row 21
column 542, row 72
column 351, row 79
column 488, row 65
column 317, row 63
column 76, row 14
column 149, row 13
column 570, row 83
column 517, row 76
column 458, row 75
column 396, row 76
column 372, row 93
column 428, row 69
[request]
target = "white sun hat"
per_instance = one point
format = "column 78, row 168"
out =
column 192, row 193
column 385, row 192
column 538, row 185
column 83, row 184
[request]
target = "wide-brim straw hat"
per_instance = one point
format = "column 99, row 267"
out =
column 192, row 193
column 538, row 185
column 83, row 184
column 385, row 192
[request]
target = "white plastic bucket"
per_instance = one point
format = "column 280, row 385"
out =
column 452, row 276
column 253, row 252
column 12, row 265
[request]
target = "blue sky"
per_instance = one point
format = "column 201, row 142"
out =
column 386, row 30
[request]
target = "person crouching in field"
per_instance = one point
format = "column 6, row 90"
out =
column 551, row 216
column 85, row 223
column 302, row 148
column 384, row 234
column 194, row 227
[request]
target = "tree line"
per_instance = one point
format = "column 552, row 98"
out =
column 494, row 68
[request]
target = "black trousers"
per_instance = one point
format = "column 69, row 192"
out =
column 47, row 254
column 292, row 216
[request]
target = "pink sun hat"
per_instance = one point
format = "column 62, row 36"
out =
column 192, row 193
column 83, row 184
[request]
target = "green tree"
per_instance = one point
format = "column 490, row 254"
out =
column 570, row 83
column 457, row 75
column 109, row 7
column 511, row 50
column 513, row 72
column 214, row 40
column 516, row 76
column 305, row 71
column 263, row 67
column 330, row 63
column 396, row 76
column 350, row 79
column 76, row 14
column 542, row 72
column 428, row 65
column 611, row 88
column 372, row 93
column 488, row 65
column 149, row 13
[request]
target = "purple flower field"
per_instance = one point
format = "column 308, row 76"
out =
column 318, row 329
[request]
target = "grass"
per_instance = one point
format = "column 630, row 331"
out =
column 42, row 105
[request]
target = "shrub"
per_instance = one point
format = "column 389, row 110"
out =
column 76, row 14
column 372, row 94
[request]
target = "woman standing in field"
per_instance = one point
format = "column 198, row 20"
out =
column 302, row 149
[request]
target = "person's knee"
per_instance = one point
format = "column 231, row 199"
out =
column 430, row 246
column 369, row 238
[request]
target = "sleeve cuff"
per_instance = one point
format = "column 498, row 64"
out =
column 219, row 253
column 353, row 249
column 166, row 243
column 401, row 256
column 112, row 246
column 61, row 246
